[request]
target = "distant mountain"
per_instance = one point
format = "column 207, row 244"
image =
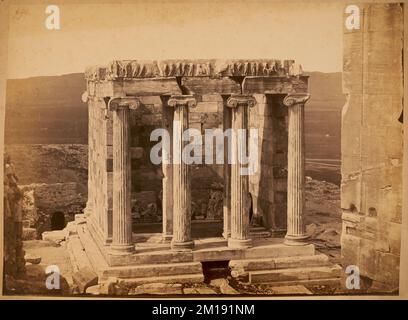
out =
column 49, row 110
column 46, row 110
column 323, row 115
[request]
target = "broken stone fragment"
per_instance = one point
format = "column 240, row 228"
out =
column 85, row 278
column 225, row 288
column 54, row 236
column 158, row 288
column 94, row 290
column 33, row 259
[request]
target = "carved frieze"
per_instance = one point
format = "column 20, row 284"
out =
column 134, row 69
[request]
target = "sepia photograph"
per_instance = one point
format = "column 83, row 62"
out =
column 203, row 149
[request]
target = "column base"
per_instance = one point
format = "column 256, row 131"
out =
column 121, row 249
column 226, row 235
column 296, row 240
column 182, row 246
column 166, row 238
column 87, row 211
column 239, row 243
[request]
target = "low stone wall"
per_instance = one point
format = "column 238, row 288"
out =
column 41, row 201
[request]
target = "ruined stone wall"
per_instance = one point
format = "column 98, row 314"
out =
column 371, row 189
column 41, row 201
column 14, row 263
column 268, row 186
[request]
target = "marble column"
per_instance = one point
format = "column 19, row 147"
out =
column 239, row 238
column 181, row 180
column 227, row 115
column 167, row 167
column 122, row 242
column 296, row 231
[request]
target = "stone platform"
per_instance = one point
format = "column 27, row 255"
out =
column 269, row 260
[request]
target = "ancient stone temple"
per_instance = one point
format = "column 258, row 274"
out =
column 263, row 237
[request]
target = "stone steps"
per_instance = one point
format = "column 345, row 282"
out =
column 316, row 275
column 184, row 278
column 153, row 270
column 83, row 252
column 279, row 263
column 309, row 269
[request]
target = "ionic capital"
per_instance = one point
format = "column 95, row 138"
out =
column 126, row 102
column 241, row 100
column 182, row 101
column 295, row 98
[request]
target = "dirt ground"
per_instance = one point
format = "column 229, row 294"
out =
column 323, row 217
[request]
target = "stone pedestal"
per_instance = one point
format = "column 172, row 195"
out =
column 122, row 219
column 181, row 180
column 296, row 232
column 239, row 238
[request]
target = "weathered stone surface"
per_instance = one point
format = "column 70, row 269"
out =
column 54, row 236
column 371, row 191
column 32, row 259
column 84, row 278
column 280, row 275
column 291, row 290
column 158, row 288
column 29, row 234
column 131, row 69
column 205, row 290
column 225, row 288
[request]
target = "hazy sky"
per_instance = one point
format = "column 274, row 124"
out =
column 90, row 34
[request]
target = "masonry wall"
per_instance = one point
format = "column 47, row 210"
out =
column 100, row 168
column 371, row 189
column 268, row 186
column 42, row 200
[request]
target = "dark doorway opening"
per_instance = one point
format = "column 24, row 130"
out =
column 215, row 269
column 57, row 221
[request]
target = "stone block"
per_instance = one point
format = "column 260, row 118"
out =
column 84, row 278
column 158, row 289
column 29, row 234
column 309, row 273
column 33, row 259
column 384, row 17
column 291, row 290
column 351, row 193
column 225, row 288
column 350, row 250
column 205, row 107
column 54, row 236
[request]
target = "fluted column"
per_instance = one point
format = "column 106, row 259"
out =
column 239, row 238
column 122, row 219
column 227, row 171
column 181, row 180
column 296, row 231
column 167, row 167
